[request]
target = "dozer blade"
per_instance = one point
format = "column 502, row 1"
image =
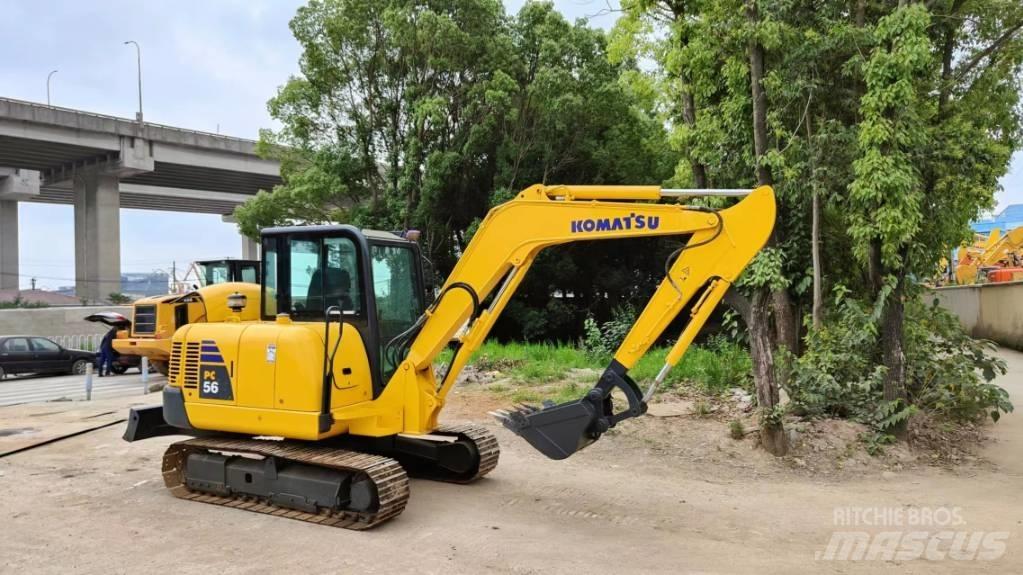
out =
column 560, row 430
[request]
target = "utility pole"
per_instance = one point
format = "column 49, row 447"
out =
column 33, row 284
column 138, row 54
column 48, row 76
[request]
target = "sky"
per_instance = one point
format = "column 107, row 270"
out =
column 207, row 65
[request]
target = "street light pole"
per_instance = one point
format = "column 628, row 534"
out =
column 138, row 54
column 48, row 76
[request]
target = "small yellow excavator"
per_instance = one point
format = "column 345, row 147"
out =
column 321, row 409
column 998, row 253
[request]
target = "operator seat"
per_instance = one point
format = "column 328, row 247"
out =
column 334, row 291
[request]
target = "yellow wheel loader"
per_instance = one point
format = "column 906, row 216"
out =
column 155, row 319
column 320, row 409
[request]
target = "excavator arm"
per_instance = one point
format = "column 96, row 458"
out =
column 720, row 246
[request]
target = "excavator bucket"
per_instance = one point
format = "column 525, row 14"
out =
column 559, row 430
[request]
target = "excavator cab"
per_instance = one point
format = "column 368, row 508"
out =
column 371, row 280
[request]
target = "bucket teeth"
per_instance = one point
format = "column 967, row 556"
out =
column 514, row 418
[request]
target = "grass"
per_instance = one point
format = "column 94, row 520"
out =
column 713, row 368
column 736, row 429
column 558, row 394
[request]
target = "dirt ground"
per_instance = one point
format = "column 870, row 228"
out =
column 649, row 498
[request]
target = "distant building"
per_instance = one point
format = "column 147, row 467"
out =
column 38, row 297
column 1009, row 218
column 138, row 285
column 135, row 285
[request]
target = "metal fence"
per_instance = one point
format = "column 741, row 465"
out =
column 87, row 342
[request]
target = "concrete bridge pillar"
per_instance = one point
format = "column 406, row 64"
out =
column 15, row 185
column 250, row 249
column 97, row 236
column 9, row 245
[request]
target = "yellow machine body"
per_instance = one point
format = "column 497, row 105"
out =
column 268, row 376
column 155, row 319
column 995, row 251
column 272, row 387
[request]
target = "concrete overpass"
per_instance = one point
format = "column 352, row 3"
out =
column 100, row 164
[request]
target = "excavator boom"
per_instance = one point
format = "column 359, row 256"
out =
column 720, row 245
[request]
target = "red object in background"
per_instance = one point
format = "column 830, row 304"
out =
column 1005, row 275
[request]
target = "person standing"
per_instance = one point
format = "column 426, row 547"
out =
column 106, row 353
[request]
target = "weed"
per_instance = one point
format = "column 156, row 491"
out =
column 714, row 367
column 736, row 429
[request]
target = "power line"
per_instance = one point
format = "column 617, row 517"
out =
column 61, row 279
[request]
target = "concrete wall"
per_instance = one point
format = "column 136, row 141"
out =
column 55, row 320
column 990, row 311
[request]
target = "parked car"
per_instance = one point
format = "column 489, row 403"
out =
column 122, row 362
column 34, row 354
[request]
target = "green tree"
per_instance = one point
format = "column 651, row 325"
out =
column 425, row 114
column 934, row 138
column 883, row 127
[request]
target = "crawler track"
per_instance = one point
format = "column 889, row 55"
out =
column 486, row 445
column 388, row 476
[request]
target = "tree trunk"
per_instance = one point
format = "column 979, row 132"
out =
column 689, row 115
column 815, row 232
column 785, row 321
column 875, row 271
column 756, row 73
column 762, row 340
column 688, row 101
column 772, row 432
column 893, row 352
column 815, row 249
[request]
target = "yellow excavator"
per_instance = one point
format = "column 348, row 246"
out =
column 321, row 409
column 997, row 252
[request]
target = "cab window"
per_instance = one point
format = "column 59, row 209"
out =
column 216, row 273
column 270, row 292
column 323, row 273
column 247, row 274
column 397, row 292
